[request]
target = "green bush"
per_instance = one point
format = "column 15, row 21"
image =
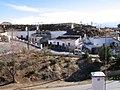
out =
column 49, row 53
column 44, row 76
column 114, row 77
column 53, row 61
column 85, row 56
column 105, row 53
column 1, row 65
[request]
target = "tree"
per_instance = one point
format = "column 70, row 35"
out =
column 118, row 59
column 118, row 25
column 105, row 54
column 9, row 58
column 112, row 45
column 11, row 63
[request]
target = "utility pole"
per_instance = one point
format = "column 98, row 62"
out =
column 105, row 60
column 26, row 28
column 37, row 28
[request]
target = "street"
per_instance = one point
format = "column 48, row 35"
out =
column 112, row 85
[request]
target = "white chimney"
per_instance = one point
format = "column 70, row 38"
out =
column 37, row 28
column 85, row 36
column 72, row 26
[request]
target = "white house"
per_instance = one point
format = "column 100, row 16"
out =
column 95, row 43
column 38, row 38
column 79, row 43
column 15, row 34
column 65, row 41
column 100, row 41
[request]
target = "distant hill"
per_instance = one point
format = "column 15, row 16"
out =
column 71, row 28
column 89, row 30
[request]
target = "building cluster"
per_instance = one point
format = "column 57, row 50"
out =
column 64, row 41
column 61, row 40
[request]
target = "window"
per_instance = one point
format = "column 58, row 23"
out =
column 58, row 43
column 50, row 43
column 68, row 44
column 63, row 44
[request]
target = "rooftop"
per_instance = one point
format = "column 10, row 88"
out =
column 67, row 39
column 97, row 74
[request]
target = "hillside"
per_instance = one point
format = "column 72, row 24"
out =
column 33, row 66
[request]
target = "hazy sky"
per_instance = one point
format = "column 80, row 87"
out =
column 59, row 11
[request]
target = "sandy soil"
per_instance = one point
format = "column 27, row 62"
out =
column 38, row 85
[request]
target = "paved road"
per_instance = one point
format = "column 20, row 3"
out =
column 113, row 85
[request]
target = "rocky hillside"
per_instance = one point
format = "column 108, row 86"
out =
column 41, row 66
column 35, row 66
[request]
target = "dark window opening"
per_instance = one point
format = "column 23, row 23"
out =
column 58, row 43
column 63, row 45
column 68, row 44
column 50, row 43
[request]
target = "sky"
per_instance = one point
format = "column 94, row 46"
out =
column 60, row 11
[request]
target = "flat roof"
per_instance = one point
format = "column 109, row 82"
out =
column 67, row 39
column 97, row 74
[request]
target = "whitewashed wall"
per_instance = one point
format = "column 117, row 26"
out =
column 54, row 42
column 19, row 33
column 101, row 41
